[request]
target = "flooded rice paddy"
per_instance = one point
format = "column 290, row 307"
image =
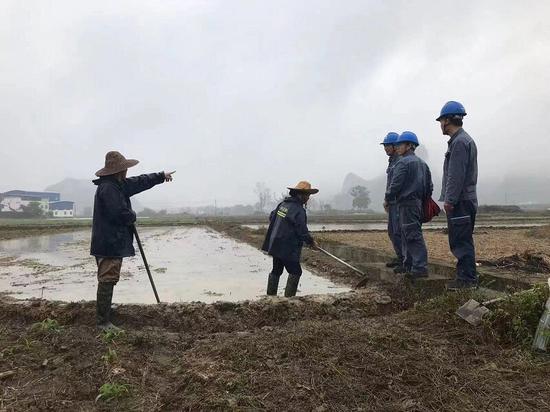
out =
column 187, row 264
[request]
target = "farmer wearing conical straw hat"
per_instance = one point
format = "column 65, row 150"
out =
column 112, row 227
column 285, row 237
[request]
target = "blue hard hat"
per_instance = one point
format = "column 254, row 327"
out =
column 390, row 138
column 452, row 109
column 407, row 137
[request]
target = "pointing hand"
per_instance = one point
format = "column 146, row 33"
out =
column 168, row 176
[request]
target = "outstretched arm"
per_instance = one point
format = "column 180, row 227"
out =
column 138, row 184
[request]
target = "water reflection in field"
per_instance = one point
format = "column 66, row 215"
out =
column 188, row 264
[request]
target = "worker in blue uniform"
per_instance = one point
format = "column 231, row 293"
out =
column 459, row 193
column 394, row 231
column 410, row 185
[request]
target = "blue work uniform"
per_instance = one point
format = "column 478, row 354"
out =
column 411, row 183
column 459, row 189
column 394, row 231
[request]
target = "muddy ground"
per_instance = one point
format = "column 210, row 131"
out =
column 491, row 244
column 383, row 348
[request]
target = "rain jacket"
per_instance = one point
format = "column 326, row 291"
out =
column 112, row 232
column 287, row 231
column 411, row 180
column 460, row 169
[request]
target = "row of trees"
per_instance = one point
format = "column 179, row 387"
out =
column 32, row 210
column 267, row 200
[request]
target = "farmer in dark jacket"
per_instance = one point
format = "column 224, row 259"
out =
column 112, row 227
column 411, row 183
column 285, row 237
column 459, row 193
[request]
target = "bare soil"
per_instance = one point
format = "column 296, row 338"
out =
column 340, row 354
column 491, row 244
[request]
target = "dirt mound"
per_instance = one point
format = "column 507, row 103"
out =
column 527, row 261
column 217, row 317
column 419, row 360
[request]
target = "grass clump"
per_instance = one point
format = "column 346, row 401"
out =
column 110, row 357
column 47, row 326
column 109, row 391
column 111, row 336
column 516, row 319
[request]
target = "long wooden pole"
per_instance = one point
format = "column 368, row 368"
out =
column 145, row 262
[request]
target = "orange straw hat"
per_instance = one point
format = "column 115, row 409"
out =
column 114, row 163
column 304, row 187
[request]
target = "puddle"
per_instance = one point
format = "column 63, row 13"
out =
column 187, row 264
column 331, row 227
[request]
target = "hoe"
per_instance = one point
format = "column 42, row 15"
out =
column 359, row 284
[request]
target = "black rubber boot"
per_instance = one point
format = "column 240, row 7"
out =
column 292, row 285
column 272, row 284
column 394, row 263
column 401, row 269
column 103, row 305
column 458, row 284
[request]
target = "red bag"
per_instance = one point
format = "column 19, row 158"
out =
column 430, row 209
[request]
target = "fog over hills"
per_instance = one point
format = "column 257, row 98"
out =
column 229, row 94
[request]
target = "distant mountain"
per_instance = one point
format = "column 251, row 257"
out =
column 81, row 191
column 376, row 186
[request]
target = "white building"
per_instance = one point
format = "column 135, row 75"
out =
column 14, row 201
column 63, row 208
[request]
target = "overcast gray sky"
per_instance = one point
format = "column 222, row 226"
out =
column 229, row 93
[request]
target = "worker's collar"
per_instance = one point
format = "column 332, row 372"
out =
column 409, row 153
column 293, row 199
column 109, row 178
column 455, row 134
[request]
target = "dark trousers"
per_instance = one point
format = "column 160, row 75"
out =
column 414, row 248
column 461, row 224
column 292, row 268
column 394, row 231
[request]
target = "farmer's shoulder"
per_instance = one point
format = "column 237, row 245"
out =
column 107, row 187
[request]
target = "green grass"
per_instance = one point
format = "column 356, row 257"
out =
column 111, row 336
column 110, row 357
column 516, row 319
column 110, row 391
column 47, row 325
